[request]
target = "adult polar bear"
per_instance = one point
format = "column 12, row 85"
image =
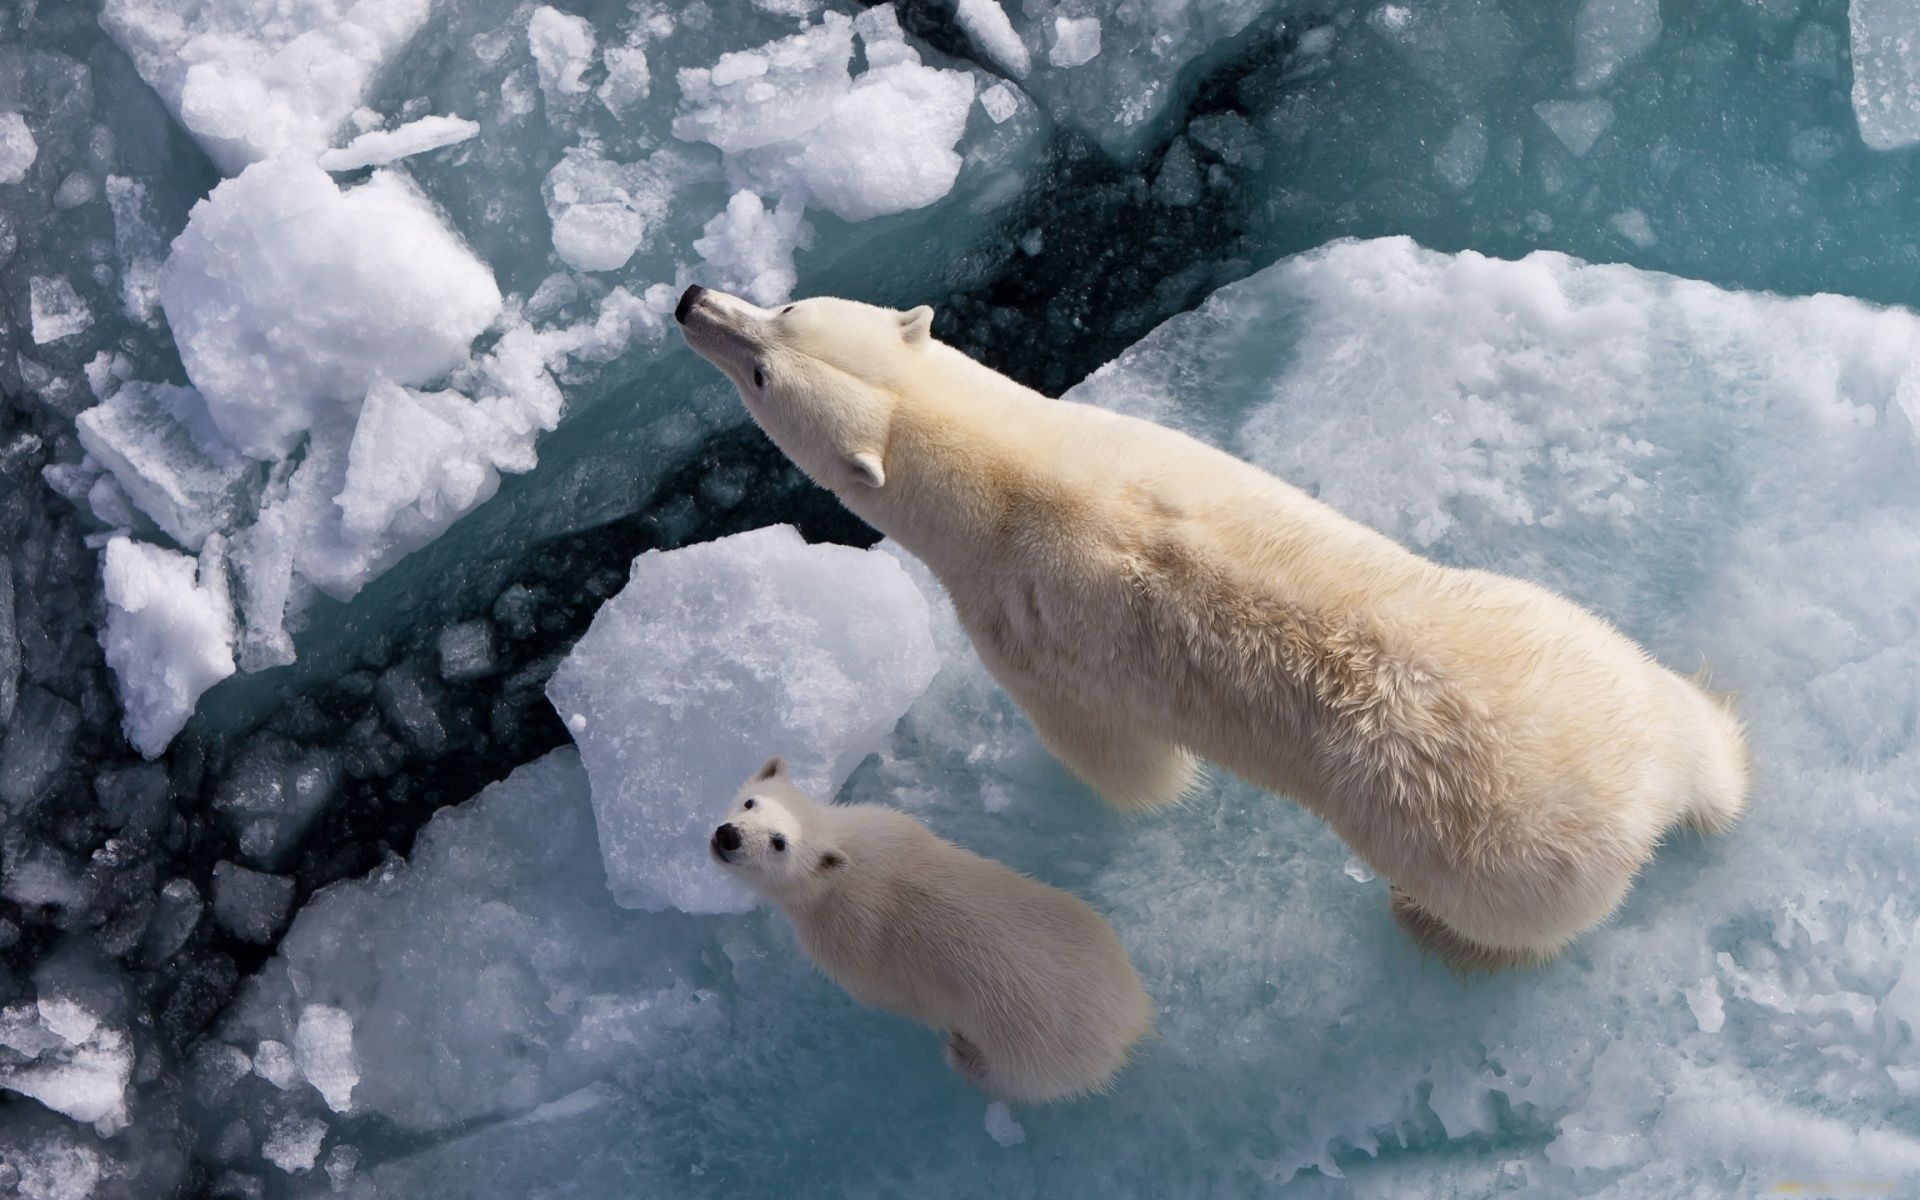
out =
column 1507, row 759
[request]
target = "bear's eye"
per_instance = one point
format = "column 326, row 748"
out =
column 759, row 378
column 748, row 804
column 786, row 310
column 779, row 843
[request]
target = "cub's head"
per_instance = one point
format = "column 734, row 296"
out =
column 820, row 376
column 774, row 838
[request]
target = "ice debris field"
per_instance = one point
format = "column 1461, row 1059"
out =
column 388, row 600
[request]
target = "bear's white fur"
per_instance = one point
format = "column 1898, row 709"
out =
column 1034, row 991
column 1506, row 758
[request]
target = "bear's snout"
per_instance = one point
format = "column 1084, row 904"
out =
column 726, row 838
column 688, row 299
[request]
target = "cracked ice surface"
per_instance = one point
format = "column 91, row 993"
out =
column 1747, row 1019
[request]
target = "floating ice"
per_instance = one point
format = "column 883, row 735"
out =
column 987, row 24
column 562, row 47
column 161, row 446
column 294, row 1144
column 65, row 1056
column 750, row 248
column 249, row 81
column 1886, row 72
column 378, row 147
column 57, row 311
column 168, row 636
column 753, row 98
column 1076, row 41
column 289, row 297
column 714, row 657
column 1460, row 157
column 323, row 1046
column 17, row 147
column 1002, row 1127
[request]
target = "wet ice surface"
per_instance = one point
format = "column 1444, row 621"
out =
column 399, row 402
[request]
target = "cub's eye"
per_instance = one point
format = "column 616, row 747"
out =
column 759, row 378
column 748, row 804
column 779, row 843
column 786, row 310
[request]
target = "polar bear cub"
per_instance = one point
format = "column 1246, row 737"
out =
column 1505, row 758
column 1031, row 986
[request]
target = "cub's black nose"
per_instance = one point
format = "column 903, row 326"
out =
column 727, row 837
column 688, row 299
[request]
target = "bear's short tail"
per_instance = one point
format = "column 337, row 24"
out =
column 1720, row 774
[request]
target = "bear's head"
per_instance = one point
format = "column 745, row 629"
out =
column 774, row 838
column 820, row 376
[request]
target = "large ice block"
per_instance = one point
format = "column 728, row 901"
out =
column 711, row 659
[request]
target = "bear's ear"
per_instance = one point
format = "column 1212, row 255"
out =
column 830, row 860
column 773, row 768
column 865, row 466
column 916, row 323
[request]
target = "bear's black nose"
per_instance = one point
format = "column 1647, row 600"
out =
column 688, row 299
column 727, row 837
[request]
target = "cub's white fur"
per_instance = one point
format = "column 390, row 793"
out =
column 1035, row 993
column 1507, row 759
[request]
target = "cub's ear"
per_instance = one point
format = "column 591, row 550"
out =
column 866, row 467
column 916, row 323
column 830, row 860
column 774, row 768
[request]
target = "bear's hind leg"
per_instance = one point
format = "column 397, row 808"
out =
column 1460, row 955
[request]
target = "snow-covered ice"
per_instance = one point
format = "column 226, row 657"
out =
column 713, row 658
column 378, row 147
column 1886, row 72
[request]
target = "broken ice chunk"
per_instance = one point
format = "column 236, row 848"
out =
column 250, row 80
column 160, row 444
column 562, row 46
column 986, row 23
column 294, row 1144
column 1076, row 41
column 56, row 310
column 251, row 905
column 774, row 93
column 378, row 147
column 751, row 249
column 289, row 297
column 323, row 1046
column 1886, row 72
column 712, row 658
column 413, row 451
column 466, row 650
column 888, row 145
column 62, row 1054
column 168, row 635
column 17, row 147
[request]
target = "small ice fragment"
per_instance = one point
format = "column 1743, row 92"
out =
column 1459, row 159
column 382, row 146
column 1608, row 34
column 1709, row 1010
column 294, row 1144
column 999, row 102
column 562, row 46
column 986, row 23
column 323, row 1047
column 56, row 310
column 1357, row 871
column 466, row 650
column 17, row 147
column 1076, row 40
column 1886, row 72
column 274, row 1062
column 1001, row 1126
column 168, row 637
